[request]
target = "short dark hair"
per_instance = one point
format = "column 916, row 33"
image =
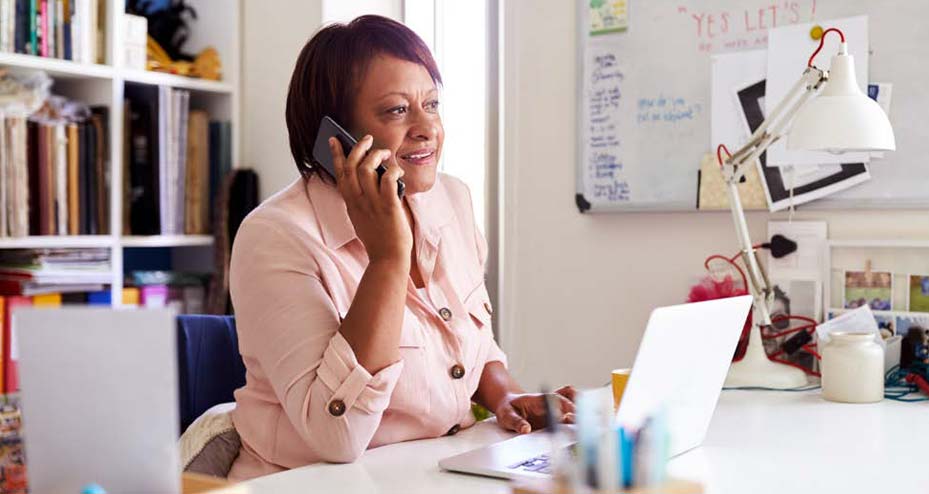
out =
column 327, row 72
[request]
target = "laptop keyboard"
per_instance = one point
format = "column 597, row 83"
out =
column 538, row 464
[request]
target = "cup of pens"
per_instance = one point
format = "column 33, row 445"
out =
column 609, row 455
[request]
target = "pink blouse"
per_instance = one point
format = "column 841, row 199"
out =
column 296, row 264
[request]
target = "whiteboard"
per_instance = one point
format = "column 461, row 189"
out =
column 643, row 104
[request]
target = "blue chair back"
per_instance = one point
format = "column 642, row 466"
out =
column 210, row 368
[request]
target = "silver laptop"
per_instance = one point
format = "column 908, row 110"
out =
column 99, row 399
column 681, row 364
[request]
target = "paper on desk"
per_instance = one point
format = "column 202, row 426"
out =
column 860, row 320
column 789, row 49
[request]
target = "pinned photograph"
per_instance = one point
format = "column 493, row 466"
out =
column 871, row 288
column 905, row 322
column 918, row 294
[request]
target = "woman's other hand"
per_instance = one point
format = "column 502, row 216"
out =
column 373, row 205
column 524, row 413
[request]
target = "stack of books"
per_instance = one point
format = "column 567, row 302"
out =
column 175, row 158
column 185, row 292
column 65, row 29
column 29, row 272
column 53, row 175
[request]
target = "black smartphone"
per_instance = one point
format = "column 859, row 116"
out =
column 323, row 155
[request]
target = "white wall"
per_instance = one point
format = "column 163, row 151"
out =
column 271, row 40
column 577, row 289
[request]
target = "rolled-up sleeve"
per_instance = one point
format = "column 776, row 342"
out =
column 289, row 334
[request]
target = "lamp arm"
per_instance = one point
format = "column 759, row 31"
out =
column 734, row 169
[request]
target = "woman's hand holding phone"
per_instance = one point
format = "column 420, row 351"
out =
column 373, row 205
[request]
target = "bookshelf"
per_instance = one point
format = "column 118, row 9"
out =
column 217, row 25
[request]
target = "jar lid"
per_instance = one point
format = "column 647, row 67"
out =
column 852, row 335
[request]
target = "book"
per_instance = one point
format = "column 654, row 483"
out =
column 5, row 22
column 21, row 33
column 42, row 27
column 61, row 178
column 4, row 334
column 4, row 174
column 73, row 178
column 10, row 355
column 100, row 297
column 18, row 183
column 67, row 11
column 10, row 287
column 131, row 296
column 153, row 296
column 197, row 188
column 32, row 174
column 47, row 300
column 165, row 156
column 33, row 28
column 145, row 161
column 179, row 174
column 100, row 120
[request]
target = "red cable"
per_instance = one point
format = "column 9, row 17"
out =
column 804, row 369
column 719, row 156
column 812, row 352
column 788, row 332
column 822, row 41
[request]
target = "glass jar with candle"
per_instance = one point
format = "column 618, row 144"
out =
column 853, row 368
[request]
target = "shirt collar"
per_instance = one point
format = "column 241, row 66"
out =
column 431, row 210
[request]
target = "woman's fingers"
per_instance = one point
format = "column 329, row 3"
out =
column 338, row 157
column 567, row 391
column 510, row 420
column 566, row 405
column 367, row 172
column 389, row 182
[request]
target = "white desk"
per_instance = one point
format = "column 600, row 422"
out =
column 759, row 442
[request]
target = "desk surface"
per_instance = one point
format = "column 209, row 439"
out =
column 759, row 442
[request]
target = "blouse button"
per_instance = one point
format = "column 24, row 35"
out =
column 445, row 314
column 457, row 371
column 336, row 408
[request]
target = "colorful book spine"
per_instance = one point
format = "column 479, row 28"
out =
column 47, row 300
column 154, row 296
column 103, row 297
column 33, row 28
column 10, row 353
column 43, row 27
column 4, row 334
column 131, row 296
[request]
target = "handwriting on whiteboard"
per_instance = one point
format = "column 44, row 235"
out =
column 668, row 110
column 744, row 27
column 605, row 171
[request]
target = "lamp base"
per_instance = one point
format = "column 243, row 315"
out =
column 755, row 370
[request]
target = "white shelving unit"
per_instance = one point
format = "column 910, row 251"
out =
column 217, row 25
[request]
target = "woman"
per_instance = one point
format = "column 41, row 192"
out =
column 363, row 318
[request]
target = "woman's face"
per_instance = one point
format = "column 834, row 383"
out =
column 398, row 104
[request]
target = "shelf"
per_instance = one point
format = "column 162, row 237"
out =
column 56, row 67
column 56, row 242
column 175, row 81
column 166, row 241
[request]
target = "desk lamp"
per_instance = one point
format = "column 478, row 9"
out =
column 830, row 113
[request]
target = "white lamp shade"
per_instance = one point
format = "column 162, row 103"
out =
column 841, row 119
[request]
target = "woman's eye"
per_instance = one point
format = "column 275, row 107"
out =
column 400, row 110
column 432, row 105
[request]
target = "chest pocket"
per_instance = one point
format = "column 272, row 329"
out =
column 411, row 394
